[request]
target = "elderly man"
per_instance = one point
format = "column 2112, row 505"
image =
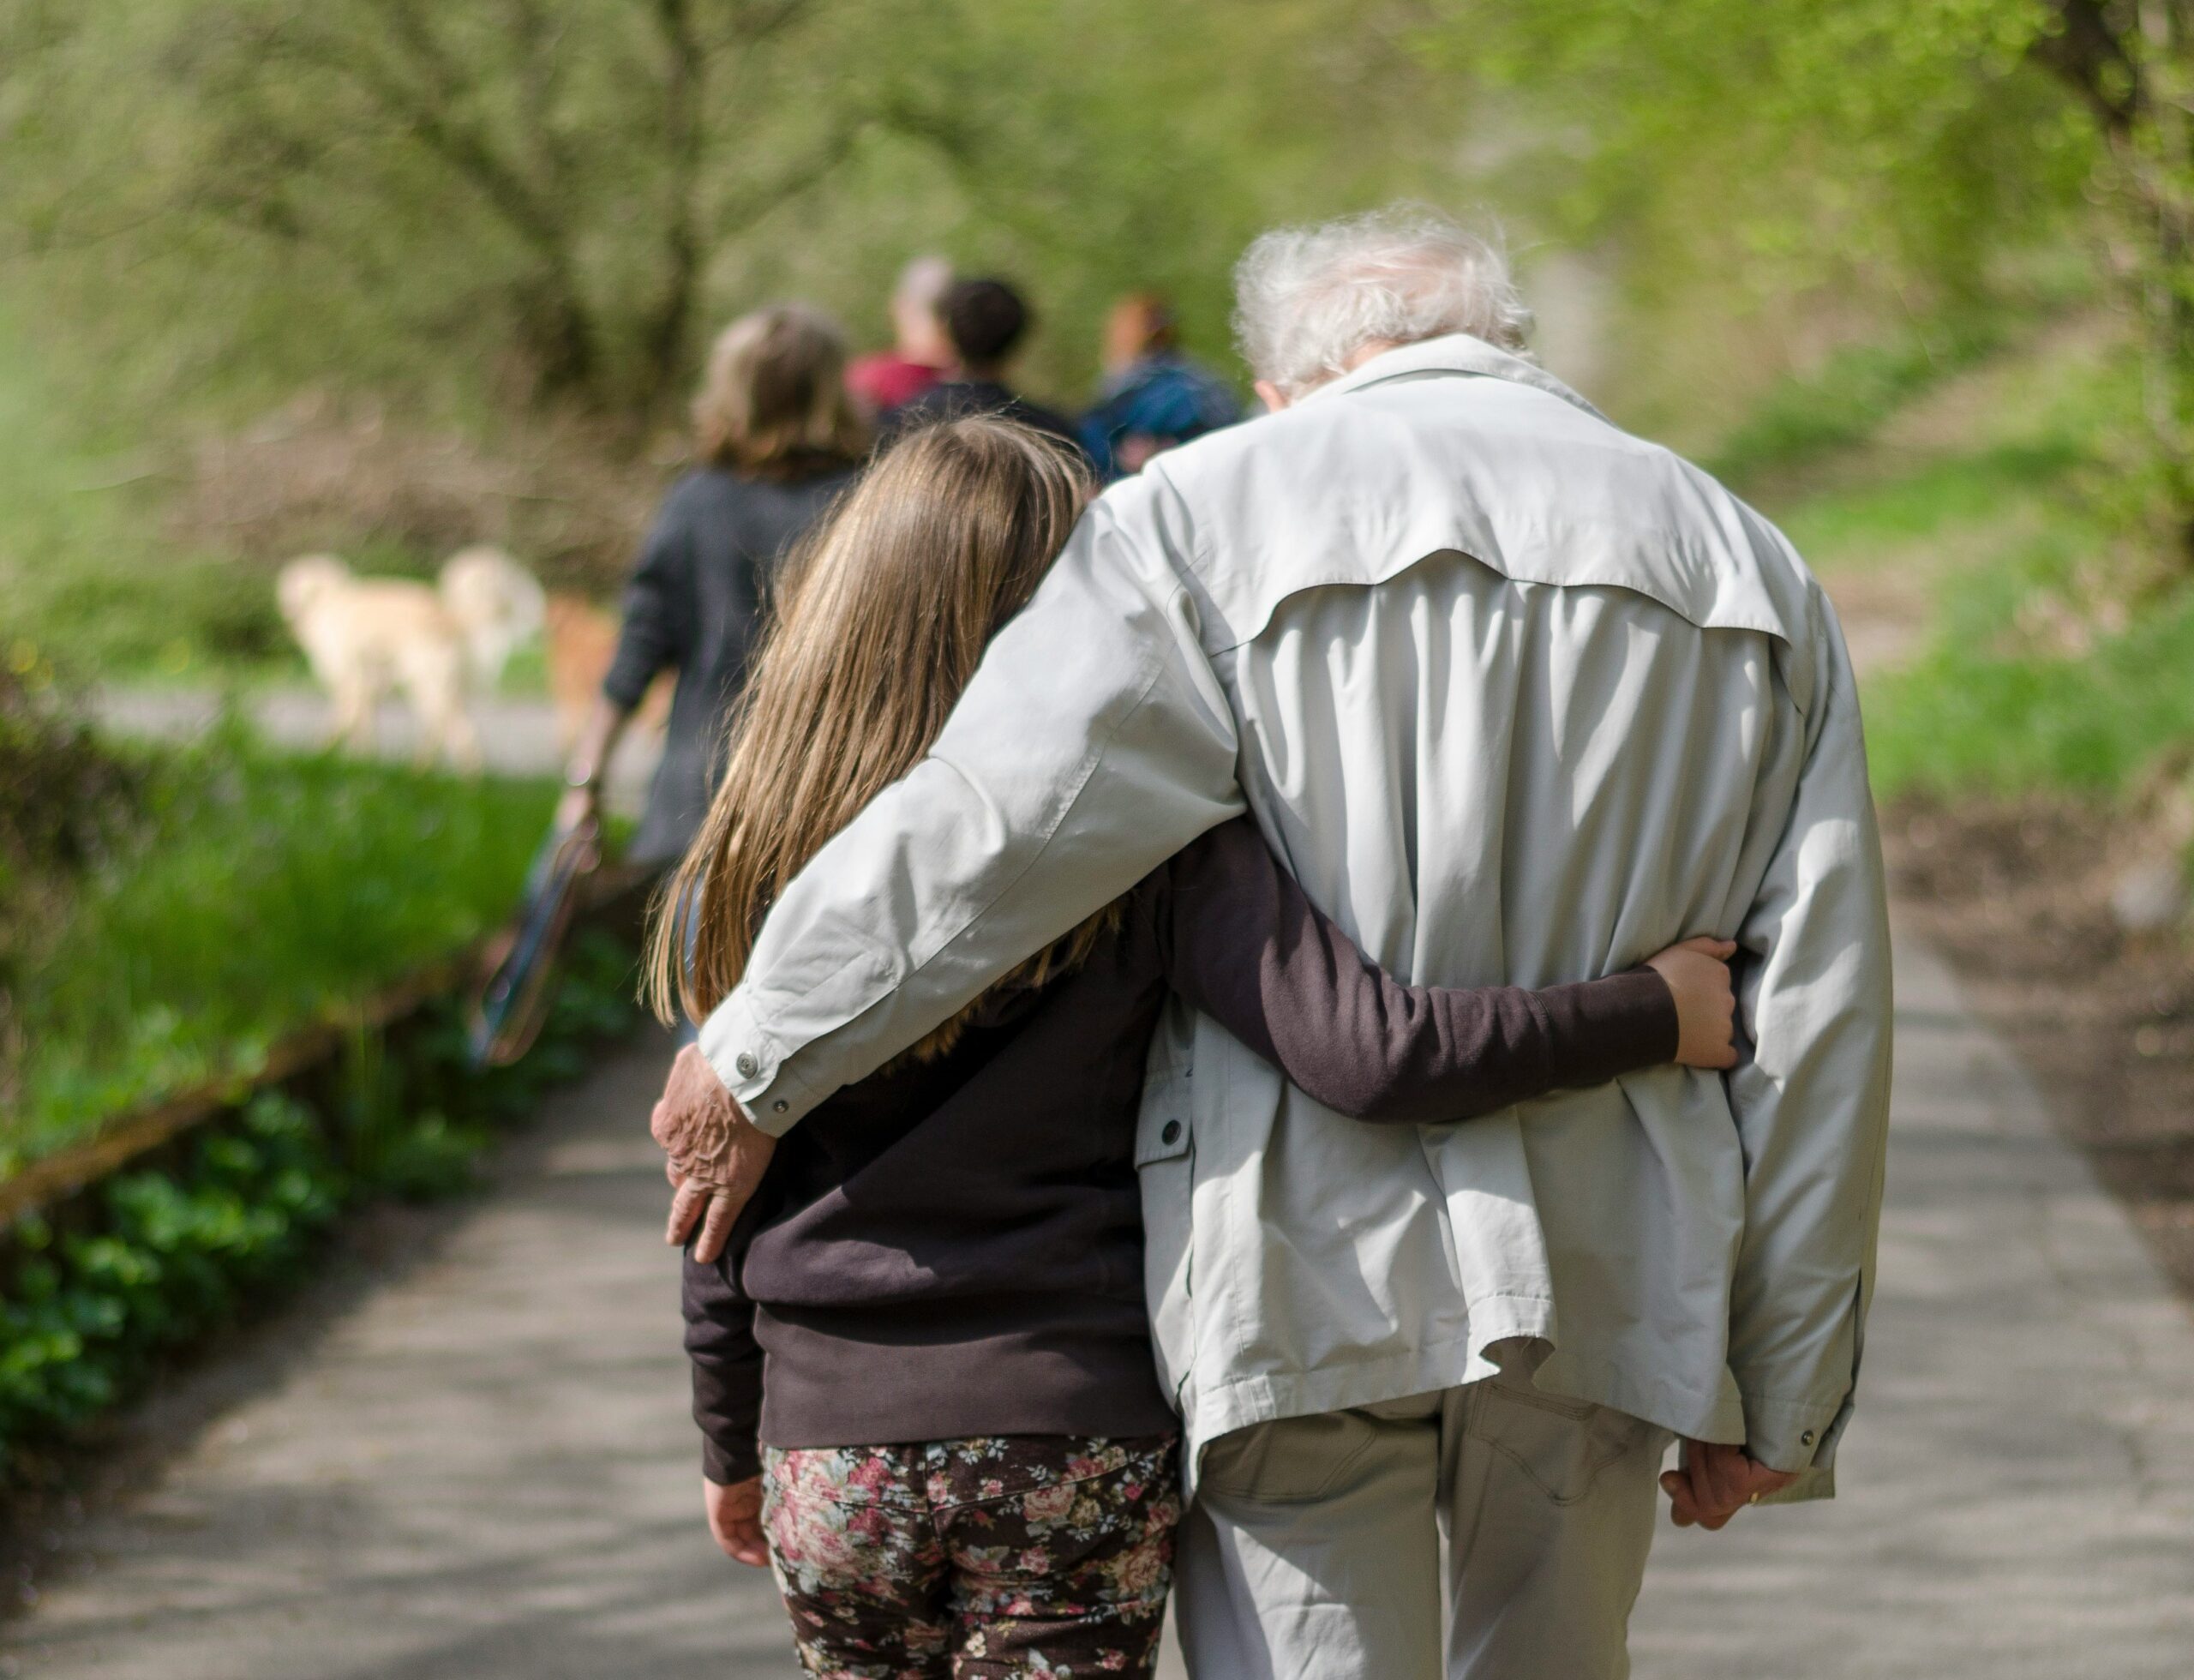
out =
column 1520, row 699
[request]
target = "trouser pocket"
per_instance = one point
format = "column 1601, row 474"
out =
column 1561, row 1446
column 1290, row 1461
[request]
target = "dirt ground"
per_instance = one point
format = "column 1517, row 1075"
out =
column 2015, row 893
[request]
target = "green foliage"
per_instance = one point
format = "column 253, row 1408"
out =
column 1907, row 152
column 558, row 198
column 86, row 579
column 1972, row 717
column 1868, row 142
column 173, row 1256
column 87, row 1315
column 265, row 890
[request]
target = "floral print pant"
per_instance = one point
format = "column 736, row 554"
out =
column 995, row 1555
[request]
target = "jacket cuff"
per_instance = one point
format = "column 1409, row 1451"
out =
column 724, row 1465
column 752, row 1064
column 1817, row 1483
column 1798, row 1438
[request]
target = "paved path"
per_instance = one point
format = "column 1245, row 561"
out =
column 518, row 732
column 2017, row 1493
column 484, row 1468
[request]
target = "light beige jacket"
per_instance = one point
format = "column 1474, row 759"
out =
column 1520, row 699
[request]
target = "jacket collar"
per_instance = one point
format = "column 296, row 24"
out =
column 1451, row 353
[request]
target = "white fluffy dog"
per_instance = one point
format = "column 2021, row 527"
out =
column 366, row 635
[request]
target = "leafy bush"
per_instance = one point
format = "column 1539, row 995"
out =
column 169, row 1255
column 64, row 801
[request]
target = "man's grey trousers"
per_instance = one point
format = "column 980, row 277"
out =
column 1312, row 1550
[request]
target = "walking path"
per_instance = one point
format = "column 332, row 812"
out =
column 517, row 733
column 484, row 1468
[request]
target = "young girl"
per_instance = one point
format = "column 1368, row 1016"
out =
column 921, row 1365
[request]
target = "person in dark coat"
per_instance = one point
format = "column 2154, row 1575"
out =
column 778, row 438
column 986, row 319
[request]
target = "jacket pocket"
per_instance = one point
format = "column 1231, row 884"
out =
column 1165, row 1158
column 1163, row 1132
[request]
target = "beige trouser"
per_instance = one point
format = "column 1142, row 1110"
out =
column 1312, row 1550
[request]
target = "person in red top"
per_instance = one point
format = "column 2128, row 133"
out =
column 920, row 351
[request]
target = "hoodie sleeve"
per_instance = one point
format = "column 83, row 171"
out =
column 1245, row 946
column 727, row 1361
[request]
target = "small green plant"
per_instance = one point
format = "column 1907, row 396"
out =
column 87, row 1315
column 169, row 1255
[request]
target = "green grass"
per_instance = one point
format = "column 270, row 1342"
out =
column 1857, row 526
column 1845, row 402
column 1972, row 532
column 267, row 888
column 1965, row 720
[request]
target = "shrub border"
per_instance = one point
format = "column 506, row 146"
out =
column 120, row 1252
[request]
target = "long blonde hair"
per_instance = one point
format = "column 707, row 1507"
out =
column 773, row 401
column 883, row 616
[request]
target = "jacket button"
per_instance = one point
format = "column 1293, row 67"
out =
column 1171, row 1133
column 1806, row 1439
column 746, row 1066
column 779, row 1106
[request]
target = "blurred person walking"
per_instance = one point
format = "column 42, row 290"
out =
column 920, row 352
column 985, row 320
column 921, row 1363
column 1154, row 398
column 778, row 438
column 1519, row 697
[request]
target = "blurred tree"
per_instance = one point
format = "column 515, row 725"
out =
column 1884, row 142
column 564, row 167
column 568, row 191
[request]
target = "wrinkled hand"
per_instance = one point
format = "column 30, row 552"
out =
column 1712, row 1483
column 717, row 1155
column 736, row 1520
column 1698, row 974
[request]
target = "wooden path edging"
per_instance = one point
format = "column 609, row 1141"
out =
column 123, row 1139
column 117, row 1142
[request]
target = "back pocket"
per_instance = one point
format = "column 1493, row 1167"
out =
column 1559, row 1444
column 1290, row 1461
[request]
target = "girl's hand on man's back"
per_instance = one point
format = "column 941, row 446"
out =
column 1698, row 976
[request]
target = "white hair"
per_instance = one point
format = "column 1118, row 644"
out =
column 1307, row 298
column 924, row 282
